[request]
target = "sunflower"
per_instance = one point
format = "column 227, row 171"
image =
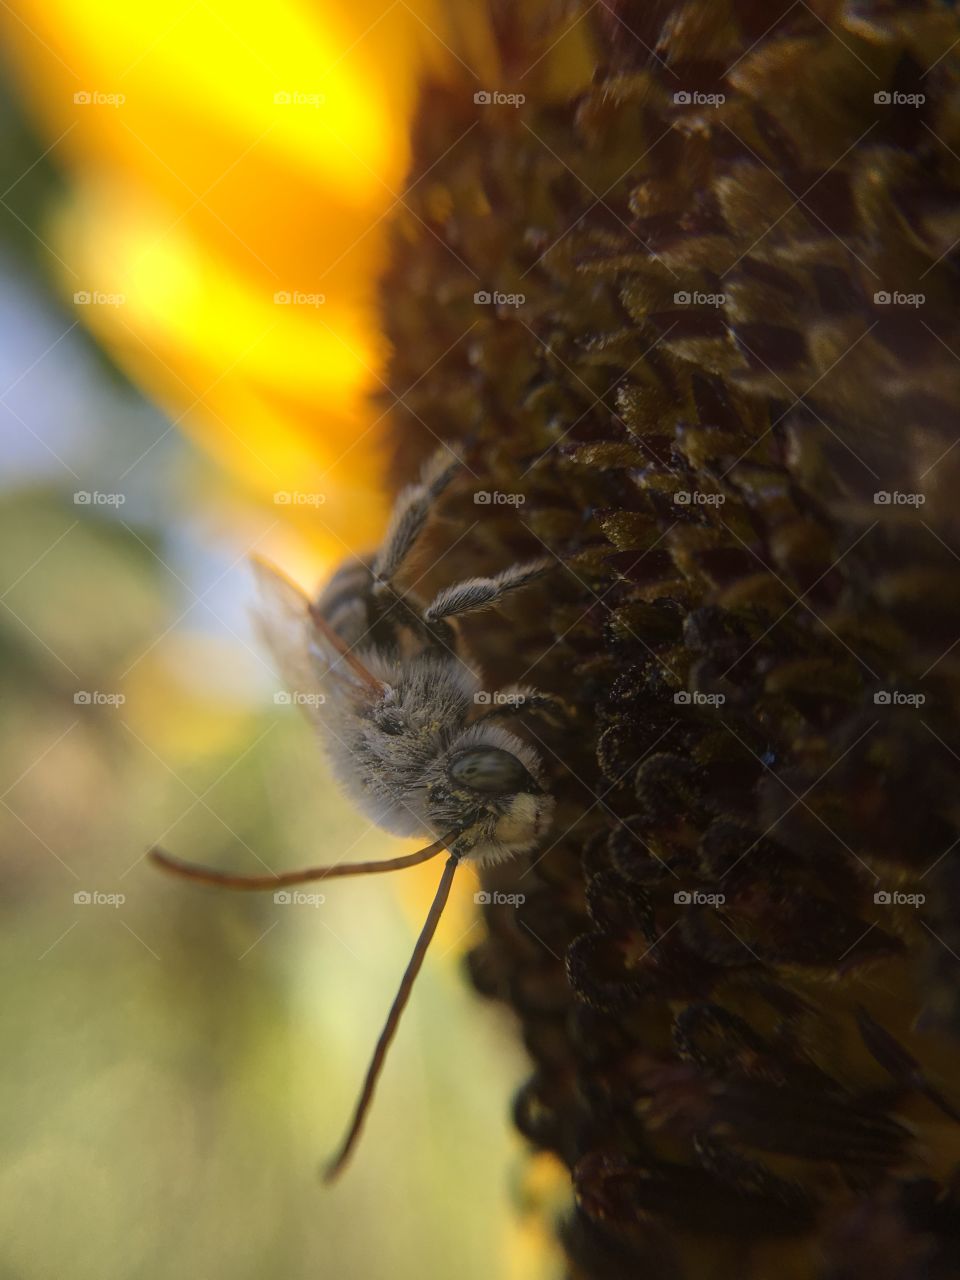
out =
column 678, row 281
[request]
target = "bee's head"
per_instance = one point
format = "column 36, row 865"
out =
column 492, row 792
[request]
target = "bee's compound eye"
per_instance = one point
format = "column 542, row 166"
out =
column 491, row 769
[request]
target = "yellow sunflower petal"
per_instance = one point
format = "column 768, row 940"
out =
column 232, row 180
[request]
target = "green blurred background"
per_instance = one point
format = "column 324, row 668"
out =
column 177, row 1065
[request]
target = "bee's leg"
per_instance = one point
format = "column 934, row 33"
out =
column 518, row 700
column 475, row 594
column 410, row 515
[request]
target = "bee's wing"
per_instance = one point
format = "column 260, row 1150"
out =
column 282, row 622
column 310, row 658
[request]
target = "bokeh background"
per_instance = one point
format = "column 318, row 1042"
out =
column 177, row 1062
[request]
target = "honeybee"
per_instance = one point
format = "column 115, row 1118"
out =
column 395, row 708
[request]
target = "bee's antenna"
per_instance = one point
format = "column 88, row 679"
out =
column 335, row 1167
column 226, row 880
column 350, row 658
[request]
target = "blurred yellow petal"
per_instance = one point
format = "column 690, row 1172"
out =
column 224, row 160
column 279, row 393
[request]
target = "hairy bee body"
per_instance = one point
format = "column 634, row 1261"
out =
column 386, row 683
column 396, row 710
